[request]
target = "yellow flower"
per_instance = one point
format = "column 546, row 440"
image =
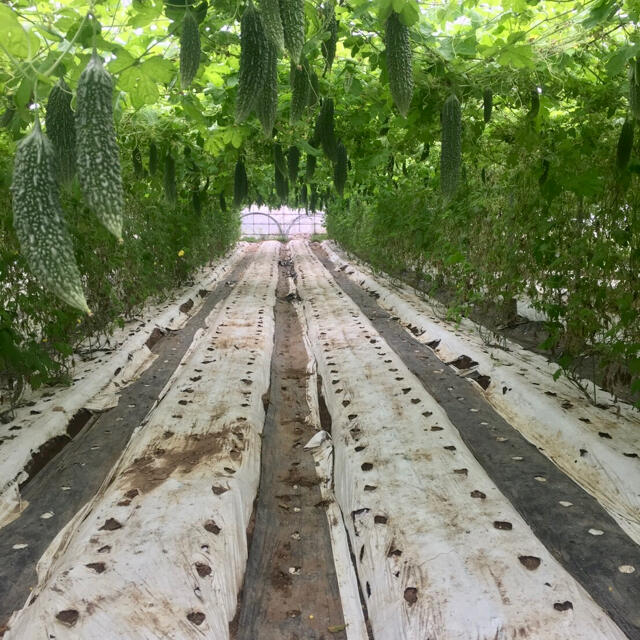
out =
column 180, row 253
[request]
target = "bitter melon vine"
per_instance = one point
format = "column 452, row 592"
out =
column 625, row 144
column 300, row 89
column 399, row 63
column 634, row 87
column 328, row 46
column 39, row 220
column 270, row 10
column 189, row 49
column 253, row 62
column 61, row 131
column 451, row 152
column 293, row 163
column 267, row 102
column 170, row 187
column 340, row 168
column 240, row 184
column 292, row 14
column 487, row 104
column 98, row 161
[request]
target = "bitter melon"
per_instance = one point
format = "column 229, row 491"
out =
column 240, row 184
column 270, row 10
column 300, row 89
column 451, row 152
column 223, row 203
column 325, row 129
column 293, row 163
column 189, row 49
column 487, row 104
column 634, row 87
column 267, row 102
column 328, row 46
column 625, row 144
column 340, row 168
column 98, row 159
column 39, row 220
column 61, row 130
column 399, row 63
column 292, row 14
column 254, row 59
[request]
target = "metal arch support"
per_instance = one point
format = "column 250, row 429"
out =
column 299, row 217
column 260, row 213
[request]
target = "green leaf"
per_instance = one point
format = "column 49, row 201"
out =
column 410, row 14
column 159, row 68
column 14, row 38
column 140, row 87
column 519, row 57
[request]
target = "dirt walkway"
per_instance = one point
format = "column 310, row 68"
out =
column 290, row 590
column 70, row 478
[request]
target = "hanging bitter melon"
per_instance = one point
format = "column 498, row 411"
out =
column 451, row 151
column 328, row 14
column 189, row 49
column 254, row 59
column 625, row 144
column 61, row 130
column 634, row 87
column 300, row 89
column 292, row 14
column 293, row 163
column 267, row 102
column 240, row 184
column 270, row 11
column 399, row 62
column 98, row 157
column 487, row 104
column 39, row 220
column 325, row 132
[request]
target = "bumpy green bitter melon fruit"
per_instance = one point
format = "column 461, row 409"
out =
column 487, row 104
column 170, row 187
column 189, row 49
column 399, row 62
column 625, row 144
column 331, row 26
column 39, row 220
column 293, row 163
column 61, row 130
column 300, row 89
column 98, row 159
column 270, row 11
column 451, row 152
column 634, row 87
column 240, row 184
column 292, row 14
column 267, row 103
column 254, row 61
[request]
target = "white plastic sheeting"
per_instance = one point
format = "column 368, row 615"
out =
column 161, row 550
column 96, row 383
column 598, row 448
column 420, row 509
